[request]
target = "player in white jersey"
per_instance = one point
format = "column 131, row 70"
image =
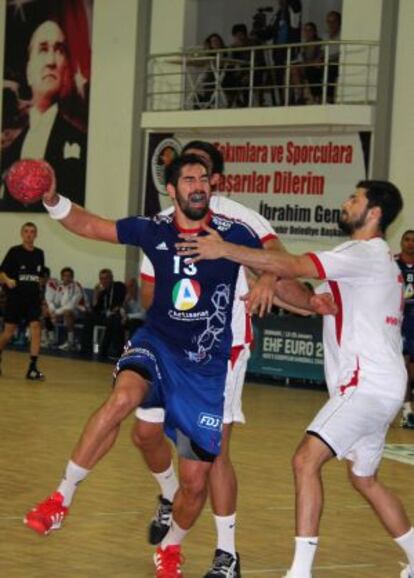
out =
column 148, row 431
column 364, row 365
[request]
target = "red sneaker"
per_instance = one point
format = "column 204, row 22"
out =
column 168, row 562
column 48, row 515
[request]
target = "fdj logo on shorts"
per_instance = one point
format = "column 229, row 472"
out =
column 186, row 294
column 209, row 421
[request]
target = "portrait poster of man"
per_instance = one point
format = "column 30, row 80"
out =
column 47, row 74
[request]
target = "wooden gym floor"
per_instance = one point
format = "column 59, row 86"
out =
column 105, row 534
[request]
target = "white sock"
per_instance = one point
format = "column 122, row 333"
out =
column 406, row 542
column 74, row 474
column 174, row 536
column 71, row 337
column 305, row 550
column 168, row 483
column 407, row 408
column 226, row 530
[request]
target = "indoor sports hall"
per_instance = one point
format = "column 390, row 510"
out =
column 144, row 82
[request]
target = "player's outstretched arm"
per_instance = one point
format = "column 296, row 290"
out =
column 281, row 263
column 78, row 220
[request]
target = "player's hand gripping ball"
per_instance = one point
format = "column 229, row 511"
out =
column 28, row 179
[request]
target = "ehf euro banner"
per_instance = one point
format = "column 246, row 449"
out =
column 296, row 182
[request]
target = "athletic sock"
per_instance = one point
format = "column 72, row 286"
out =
column 174, row 536
column 406, row 542
column 407, row 408
column 168, row 482
column 71, row 337
column 74, row 474
column 305, row 550
column 33, row 363
column 226, row 530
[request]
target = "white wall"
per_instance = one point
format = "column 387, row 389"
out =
column 109, row 156
column 357, row 27
column 402, row 147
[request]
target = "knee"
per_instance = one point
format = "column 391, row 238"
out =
column 119, row 405
column 302, row 463
column 146, row 436
column 9, row 332
column 194, row 487
column 362, row 484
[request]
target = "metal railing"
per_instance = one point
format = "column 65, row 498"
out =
column 266, row 75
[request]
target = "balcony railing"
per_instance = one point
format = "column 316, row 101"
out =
column 269, row 75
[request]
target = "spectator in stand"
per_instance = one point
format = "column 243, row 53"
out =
column 66, row 303
column 309, row 70
column 133, row 315
column 106, row 311
column 210, row 76
column 333, row 24
column 285, row 28
column 236, row 81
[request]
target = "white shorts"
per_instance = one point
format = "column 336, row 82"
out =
column 232, row 394
column 354, row 425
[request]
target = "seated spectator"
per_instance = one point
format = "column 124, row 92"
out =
column 106, row 311
column 133, row 315
column 66, row 302
column 310, row 70
column 209, row 78
column 48, row 287
column 333, row 24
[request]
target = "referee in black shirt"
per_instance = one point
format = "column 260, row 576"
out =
column 20, row 272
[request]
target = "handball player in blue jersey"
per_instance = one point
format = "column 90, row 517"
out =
column 178, row 360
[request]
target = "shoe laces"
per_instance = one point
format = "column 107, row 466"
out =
column 169, row 560
column 163, row 513
column 51, row 505
column 222, row 563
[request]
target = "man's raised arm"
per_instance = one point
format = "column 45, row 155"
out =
column 280, row 263
column 78, row 220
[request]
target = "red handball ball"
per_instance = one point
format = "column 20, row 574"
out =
column 28, row 179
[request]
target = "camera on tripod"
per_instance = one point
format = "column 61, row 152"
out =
column 260, row 20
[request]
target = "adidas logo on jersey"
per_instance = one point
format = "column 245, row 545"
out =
column 162, row 246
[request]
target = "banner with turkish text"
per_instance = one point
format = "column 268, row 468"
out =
column 296, row 182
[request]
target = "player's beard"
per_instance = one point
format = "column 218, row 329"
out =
column 193, row 213
column 349, row 227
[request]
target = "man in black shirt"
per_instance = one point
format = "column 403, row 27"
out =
column 20, row 273
column 106, row 311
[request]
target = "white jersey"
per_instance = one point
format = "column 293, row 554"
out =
column 60, row 297
column 241, row 324
column 362, row 342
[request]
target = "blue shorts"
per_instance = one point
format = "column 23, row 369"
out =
column 193, row 399
column 408, row 335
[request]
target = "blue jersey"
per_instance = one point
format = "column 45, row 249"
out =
column 192, row 306
column 407, row 271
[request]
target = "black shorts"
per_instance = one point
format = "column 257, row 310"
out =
column 18, row 309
